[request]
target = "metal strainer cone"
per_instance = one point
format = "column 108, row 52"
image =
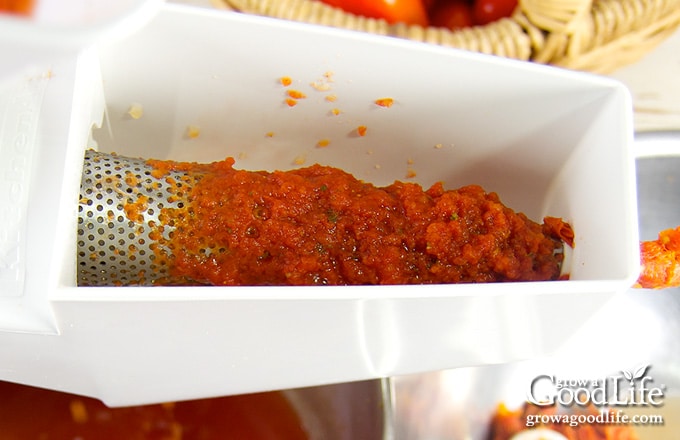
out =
column 121, row 232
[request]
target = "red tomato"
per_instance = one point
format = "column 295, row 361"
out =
column 451, row 14
column 428, row 4
column 486, row 11
column 392, row 11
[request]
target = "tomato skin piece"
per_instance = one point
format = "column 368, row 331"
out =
column 451, row 14
column 487, row 11
column 392, row 11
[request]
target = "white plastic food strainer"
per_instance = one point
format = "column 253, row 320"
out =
column 549, row 141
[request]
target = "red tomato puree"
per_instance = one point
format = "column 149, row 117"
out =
column 28, row 413
column 320, row 225
column 660, row 261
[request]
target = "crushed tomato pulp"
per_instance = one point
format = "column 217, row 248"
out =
column 660, row 261
column 320, row 225
column 34, row 413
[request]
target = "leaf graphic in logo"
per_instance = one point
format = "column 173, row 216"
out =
column 628, row 375
column 640, row 371
column 637, row 374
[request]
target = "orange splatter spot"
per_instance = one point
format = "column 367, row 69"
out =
column 286, row 81
column 131, row 179
column 291, row 102
column 335, row 112
column 361, row 130
column 296, row 94
column 320, row 86
column 323, row 143
column 331, row 98
column 384, row 102
column 136, row 111
column 323, row 84
column 134, row 210
column 193, row 132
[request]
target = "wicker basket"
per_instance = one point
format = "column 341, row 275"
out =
column 591, row 35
